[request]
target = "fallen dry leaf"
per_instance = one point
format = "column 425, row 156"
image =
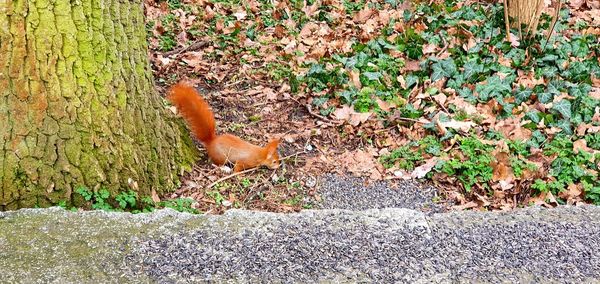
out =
column 463, row 126
column 363, row 15
column 468, row 205
column 581, row 145
column 349, row 114
column 383, row 105
column 502, row 170
column 572, row 194
column 514, row 40
column 576, row 4
column 411, row 65
column 595, row 93
column 240, row 15
column 429, row 48
column 361, row 163
column 422, row 170
column 463, row 105
column 355, row 78
column 512, row 129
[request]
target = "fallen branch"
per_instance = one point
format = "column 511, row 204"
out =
column 443, row 48
column 410, row 120
column 292, row 155
column 230, row 176
column 192, row 47
column 324, row 119
column 249, row 170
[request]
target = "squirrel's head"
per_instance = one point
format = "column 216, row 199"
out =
column 272, row 157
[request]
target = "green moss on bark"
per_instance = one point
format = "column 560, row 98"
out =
column 79, row 106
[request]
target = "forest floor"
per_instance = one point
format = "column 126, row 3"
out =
column 388, row 90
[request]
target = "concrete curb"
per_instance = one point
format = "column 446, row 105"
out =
column 377, row 245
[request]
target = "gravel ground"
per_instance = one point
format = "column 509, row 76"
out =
column 374, row 246
column 343, row 192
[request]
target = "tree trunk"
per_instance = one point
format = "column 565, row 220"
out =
column 78, row 106
column 525, row 12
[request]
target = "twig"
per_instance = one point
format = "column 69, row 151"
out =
column 506, row 21
column 443, row 48
column 413, row 92
column 194, row 46
column 292, row 155
column 439, row 104
column 410, row 120
column 230, row 84
column 309, row 108
column 554, row 20
column 249, row 170
column 230, row 176
column 519, row 19
column 325, row 119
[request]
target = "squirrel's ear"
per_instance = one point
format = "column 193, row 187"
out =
column 273, row 144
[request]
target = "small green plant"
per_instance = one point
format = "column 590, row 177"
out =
column 216, row 196
column 127, row 199
column 431, row 145
column 474, row 167
column 130, row 201
column 404, row 157
column 98, row 199
column 174, row 4
column 167, row 42
column 294, row 200
column 569, row 167
column 352, row 7
column 246, row 182
column 255, row 118
column 179, row 204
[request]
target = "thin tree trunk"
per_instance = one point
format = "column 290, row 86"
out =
column 77, row 104
column 525, row 12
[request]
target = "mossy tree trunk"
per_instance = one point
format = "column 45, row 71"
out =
column 77, row 104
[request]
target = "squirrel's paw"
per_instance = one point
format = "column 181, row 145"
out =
column 226, row 169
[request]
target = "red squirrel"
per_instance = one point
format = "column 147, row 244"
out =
column 221, row 148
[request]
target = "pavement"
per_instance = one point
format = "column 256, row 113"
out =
column 331, row 245
column 351, row 193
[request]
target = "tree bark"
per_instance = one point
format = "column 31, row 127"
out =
column 78, row 106
column 525, row 12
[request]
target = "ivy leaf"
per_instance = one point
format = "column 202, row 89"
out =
column 346, row 96
column 554, row 87
column 563, row 107
column 443, row 69
column 467, row 94
column 315, row 69
column 472, row 68
column 320, row 100
column 545, row 97
column 372, row 75
column 494, row 87
column 565, row 125
column 533, row 115
column 523, row 95
column 411, row 80
column 579, row 48
column 579, row 90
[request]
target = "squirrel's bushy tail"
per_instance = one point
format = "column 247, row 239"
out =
column 195, row 110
